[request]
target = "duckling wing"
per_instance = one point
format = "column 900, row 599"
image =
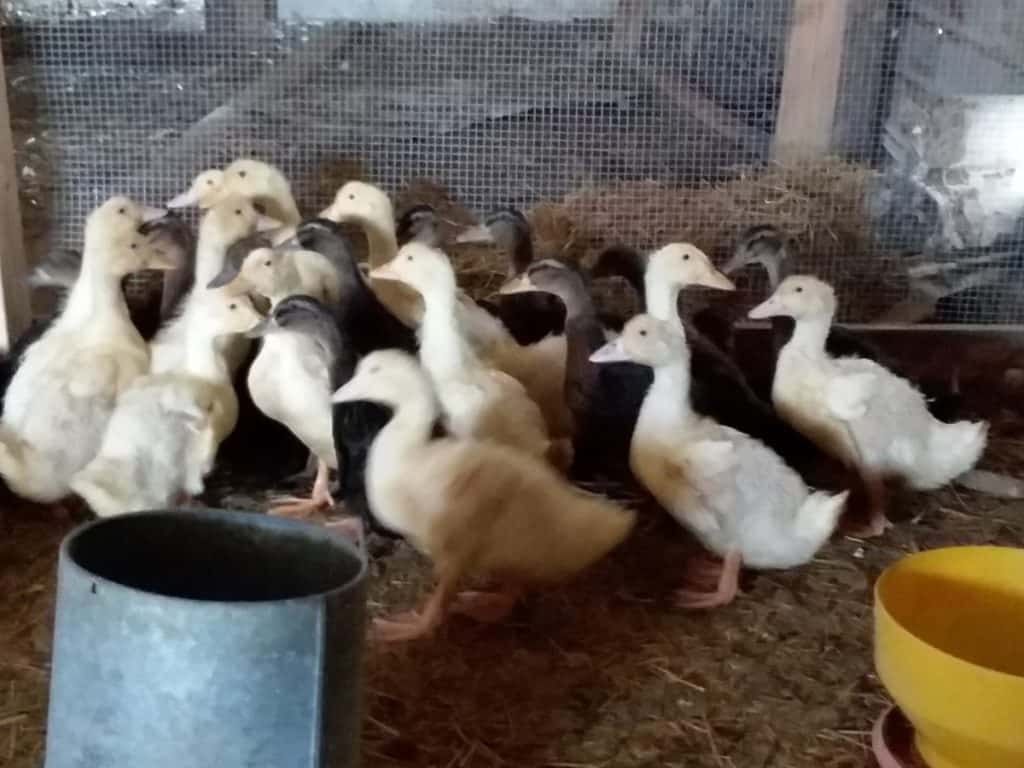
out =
column 848, row 395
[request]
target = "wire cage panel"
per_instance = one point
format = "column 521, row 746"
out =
column 639, row 120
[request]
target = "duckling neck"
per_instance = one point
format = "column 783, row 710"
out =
column 667, row 405
column 96, row 295
column 287, row 282
column 444, row 349
column 380, row 240
column 203, row 358
column 410, row 427
column 662, row 298
column 210, row 254
column 809, row 335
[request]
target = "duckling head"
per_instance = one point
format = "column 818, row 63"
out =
column 647, row 341
column 554, row 277
column 684, row 264
column 799, row 297
column 262, row 183
column 249, row 264
column 509, row 229
column 362, row 203
column 764, row 245
column 421, row 267
column 419, row 224
column 204, row 190
column 127, row 252
column 119, row 215
column 232, row 219
column 227, row 314
column 386, row 376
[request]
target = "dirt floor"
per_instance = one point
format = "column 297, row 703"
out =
column 605, row 672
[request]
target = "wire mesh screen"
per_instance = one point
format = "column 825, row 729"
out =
column 637, row 121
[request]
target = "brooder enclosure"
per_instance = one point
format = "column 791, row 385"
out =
column 879, row 137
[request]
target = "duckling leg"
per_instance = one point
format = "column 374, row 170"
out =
column 878, row 523
column 723, row 594
column 321, row 499
column 487, row 607
column 416, row 624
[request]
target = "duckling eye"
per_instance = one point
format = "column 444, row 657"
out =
column 238, row 211
column 241, row 174
column 375, row 369
column 121, row 211
column 209, row 182
column 266, row 263
column 643, row 332
column 134, row 246
column 408, row 258
column 232, row 307
column 686, row 257
column 351, row 197
column 799, row 289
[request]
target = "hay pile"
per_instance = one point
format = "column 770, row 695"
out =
column 822, row 206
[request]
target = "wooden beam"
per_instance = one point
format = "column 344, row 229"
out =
column 15, row 310
column 810, row 79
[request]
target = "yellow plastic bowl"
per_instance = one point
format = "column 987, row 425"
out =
column 949, row 646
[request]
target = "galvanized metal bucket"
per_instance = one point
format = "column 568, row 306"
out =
column 206, row 638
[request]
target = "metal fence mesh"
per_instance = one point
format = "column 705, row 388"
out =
column 645, row 119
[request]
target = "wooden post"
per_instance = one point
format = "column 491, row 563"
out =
column 810, row 79
column 15, row 310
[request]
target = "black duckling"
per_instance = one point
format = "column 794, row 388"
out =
column 529, row 317
column 766, row 246
column 604, row 400
column 420, row 224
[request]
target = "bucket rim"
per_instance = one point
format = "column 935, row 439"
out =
column 230, row 516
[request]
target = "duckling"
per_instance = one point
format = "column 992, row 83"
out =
column 766, row 246
column 224, row 223
column 277, row 272
column 349, row 428
column 604, row 399
column 59, row 270
column 472, row 507
column 631, row 265
column 419, row 223
column 731, row 491
column 718, row 388
column 478, row 401
column 364, row 318
column 370, row 208
column 60, row 399
column 165, row 430
column 252, row 179
column 288, row 380
column 532, row 316
column 539, row 367
column 857, row 410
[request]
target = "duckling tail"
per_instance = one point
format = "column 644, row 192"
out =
column 952, row 450
column 818, row 516
column 597, row 525
column 24, row 470
column 98, row 485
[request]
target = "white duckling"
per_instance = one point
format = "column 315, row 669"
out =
column 226, row 222
column 163, row 436
column 731, row 491
column 472, row 507
column 255, row 180
column 61, row 397
column 857, row 410
column 478, row 401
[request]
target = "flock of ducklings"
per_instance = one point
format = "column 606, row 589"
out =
column 459, row 425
